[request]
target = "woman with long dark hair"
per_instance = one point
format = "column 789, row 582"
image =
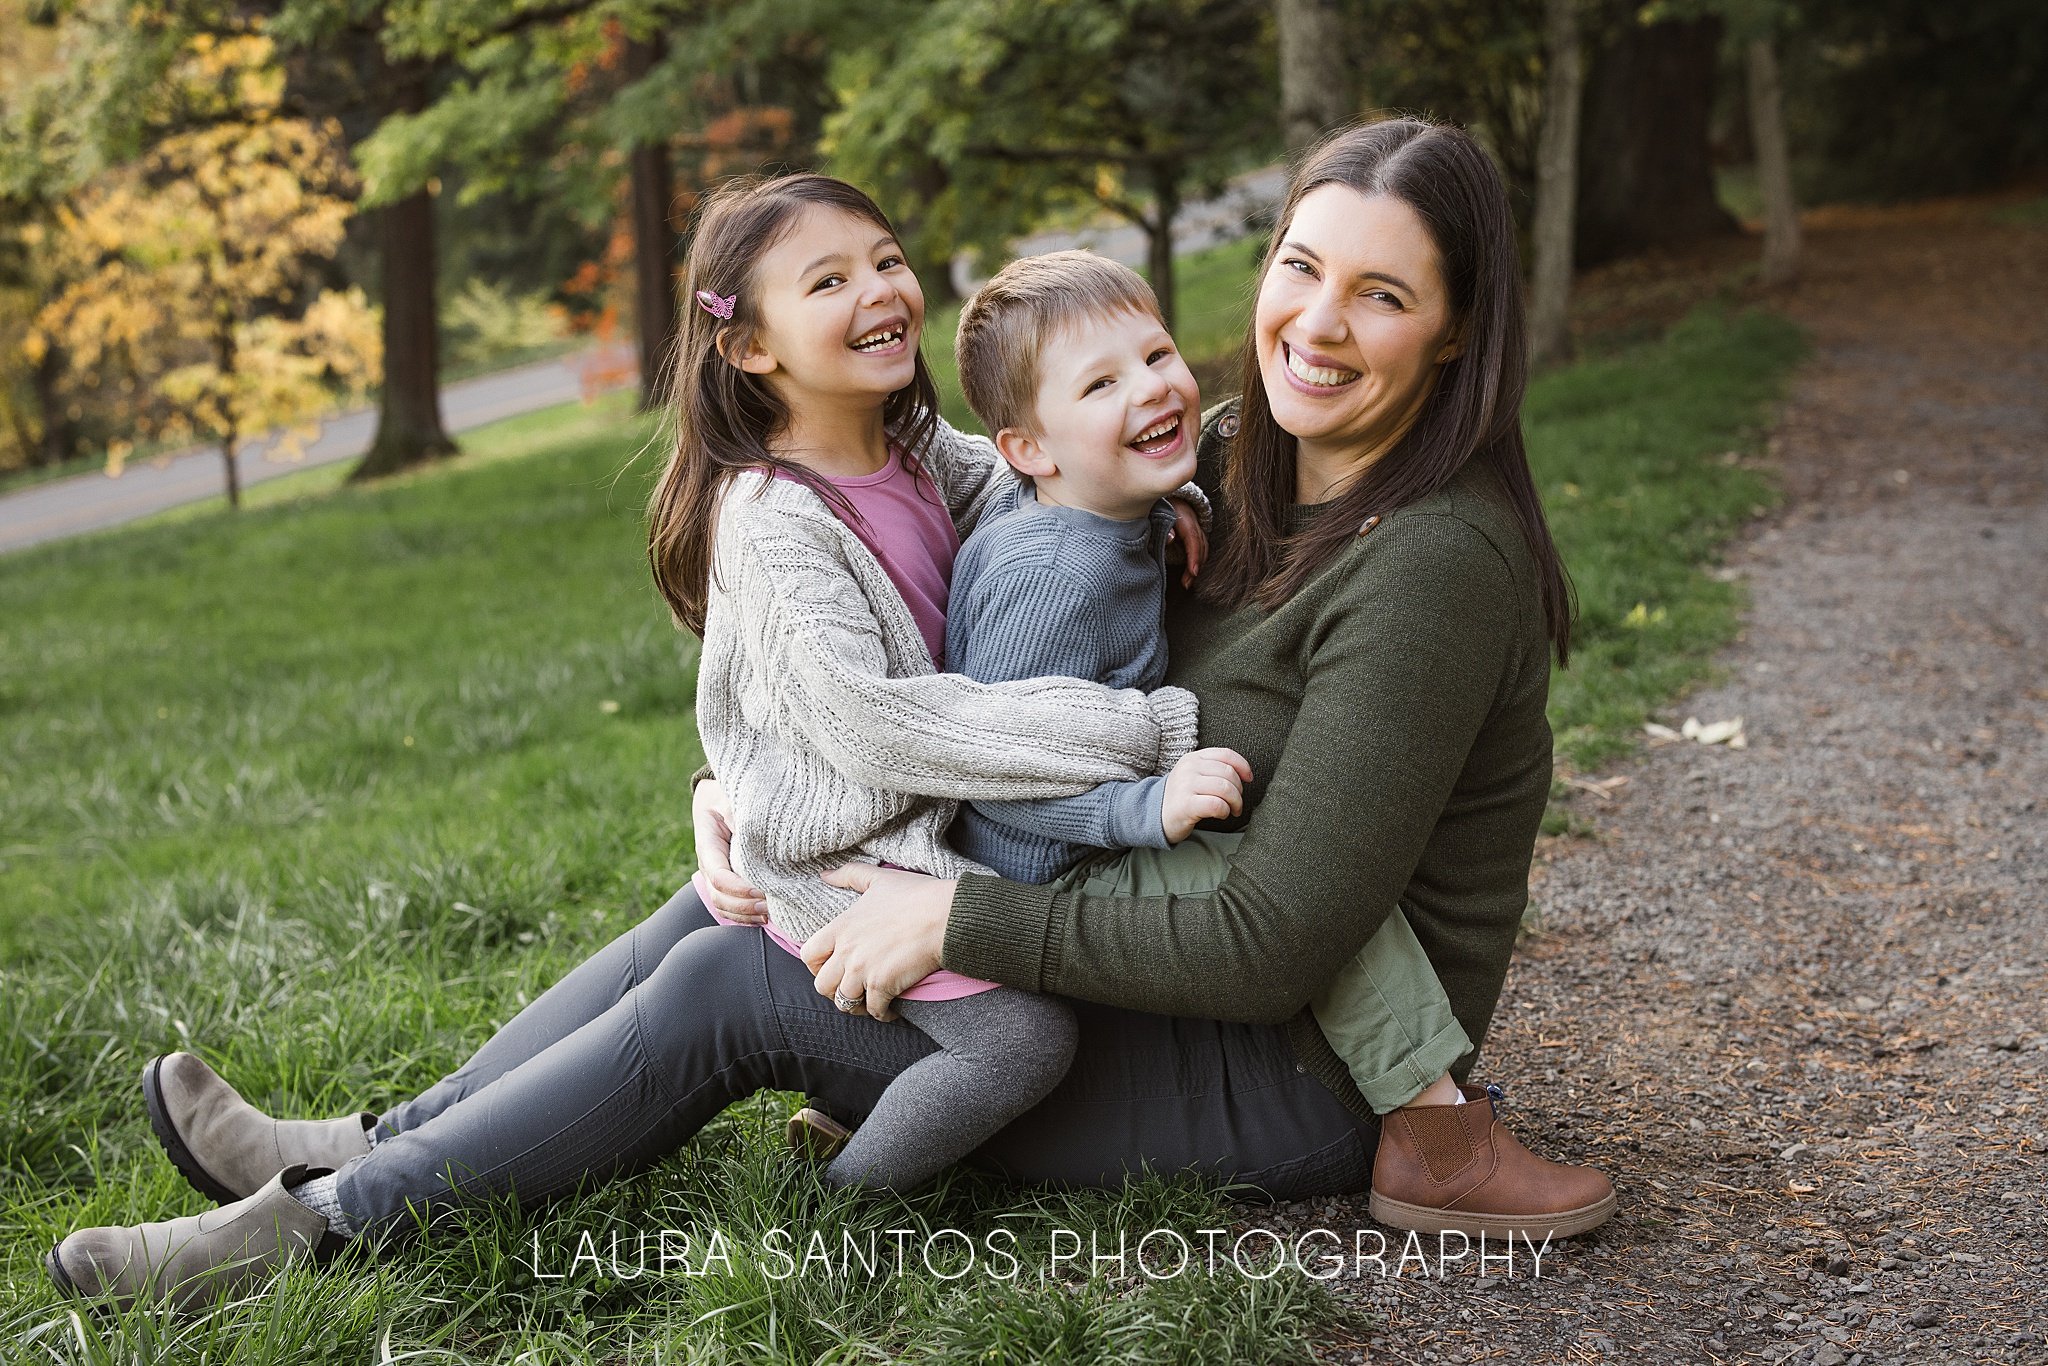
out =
column 1374, row 633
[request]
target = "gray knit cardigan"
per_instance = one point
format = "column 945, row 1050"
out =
column 832, row 735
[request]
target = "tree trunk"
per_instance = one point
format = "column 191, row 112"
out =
column 1644, row 177
column 654, row 243
column 1557, row 173
column 1316, row 89
column 228, row 441
column 1773, row 165
column 1159, row 237
column 929, row 178
column 224, row 360
column 58, row 440
column 409, row 430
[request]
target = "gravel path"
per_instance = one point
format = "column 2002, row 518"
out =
column 1791, row 996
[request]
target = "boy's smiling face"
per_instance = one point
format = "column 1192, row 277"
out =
column 1116, row 415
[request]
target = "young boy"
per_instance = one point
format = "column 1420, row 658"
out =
column 1065, row 360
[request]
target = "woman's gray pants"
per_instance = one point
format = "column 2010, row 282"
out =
column 619, row 1063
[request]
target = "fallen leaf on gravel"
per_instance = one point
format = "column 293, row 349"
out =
column 1603, row 788
column 1727, row 733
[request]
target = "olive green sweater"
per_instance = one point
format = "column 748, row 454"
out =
column 1393, row 715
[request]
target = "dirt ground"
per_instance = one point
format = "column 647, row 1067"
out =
column 1791, row 996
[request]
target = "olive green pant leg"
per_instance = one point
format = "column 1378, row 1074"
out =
column 1193, row 867
column 1385, row 1012
column 1386, row 1015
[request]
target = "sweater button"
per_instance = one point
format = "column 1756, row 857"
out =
column 1300, row 1067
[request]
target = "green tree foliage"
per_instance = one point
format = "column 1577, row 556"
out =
column 1894, row 98
column 1478, row 63
column 541, row 95
column 980, row 116
column 591, row 103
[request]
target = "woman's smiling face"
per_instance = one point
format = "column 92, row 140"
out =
column 1353, row 320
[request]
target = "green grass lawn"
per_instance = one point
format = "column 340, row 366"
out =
column 328, row 788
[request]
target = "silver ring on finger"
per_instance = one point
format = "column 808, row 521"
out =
column 848, row 1005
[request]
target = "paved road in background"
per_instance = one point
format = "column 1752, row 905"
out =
column 93, row 502
column 1200, row 224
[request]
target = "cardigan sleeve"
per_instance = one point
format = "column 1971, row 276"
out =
column 938, row 735
column 1397, row 688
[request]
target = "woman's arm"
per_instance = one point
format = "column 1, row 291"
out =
column 1393, row 702
column 1391, row 709
column 815, row 637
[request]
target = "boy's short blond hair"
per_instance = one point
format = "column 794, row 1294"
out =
column 1006, row 326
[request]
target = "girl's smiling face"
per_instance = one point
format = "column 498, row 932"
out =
column 1353, row 319
column 840, row 312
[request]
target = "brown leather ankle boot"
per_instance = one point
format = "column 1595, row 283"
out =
column 1456, row 1168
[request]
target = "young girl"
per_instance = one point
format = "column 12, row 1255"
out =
column 805, row 527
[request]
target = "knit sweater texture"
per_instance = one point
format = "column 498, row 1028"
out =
column 1392, row 711
column 834, row 738
column 1042, row 589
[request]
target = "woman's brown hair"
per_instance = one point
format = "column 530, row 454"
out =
column 725, row 418
column 1473, row 412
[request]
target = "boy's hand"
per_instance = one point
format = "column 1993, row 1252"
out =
column 1207, row 785
column 1187, row 533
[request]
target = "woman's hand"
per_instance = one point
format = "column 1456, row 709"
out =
column 884, row 943
column 731, row 897
column 1188, row 534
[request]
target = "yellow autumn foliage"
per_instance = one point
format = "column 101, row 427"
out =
column 190, row 275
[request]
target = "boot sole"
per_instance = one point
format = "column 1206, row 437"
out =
column 54, row 1265
column 1425, row 1219
column 174, row 1147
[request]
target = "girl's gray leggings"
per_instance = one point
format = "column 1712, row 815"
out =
column 619, row 1063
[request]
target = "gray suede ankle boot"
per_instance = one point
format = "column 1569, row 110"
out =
column 189, row 1262
column 226, row 1147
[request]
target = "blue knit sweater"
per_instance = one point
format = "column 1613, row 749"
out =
column 1040, row 591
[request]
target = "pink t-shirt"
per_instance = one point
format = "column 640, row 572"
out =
column 904, row 523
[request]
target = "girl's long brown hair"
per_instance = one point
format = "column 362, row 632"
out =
column 725, row 418
column 1473, row 413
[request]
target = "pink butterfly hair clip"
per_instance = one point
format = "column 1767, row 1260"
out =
column 716, row 305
